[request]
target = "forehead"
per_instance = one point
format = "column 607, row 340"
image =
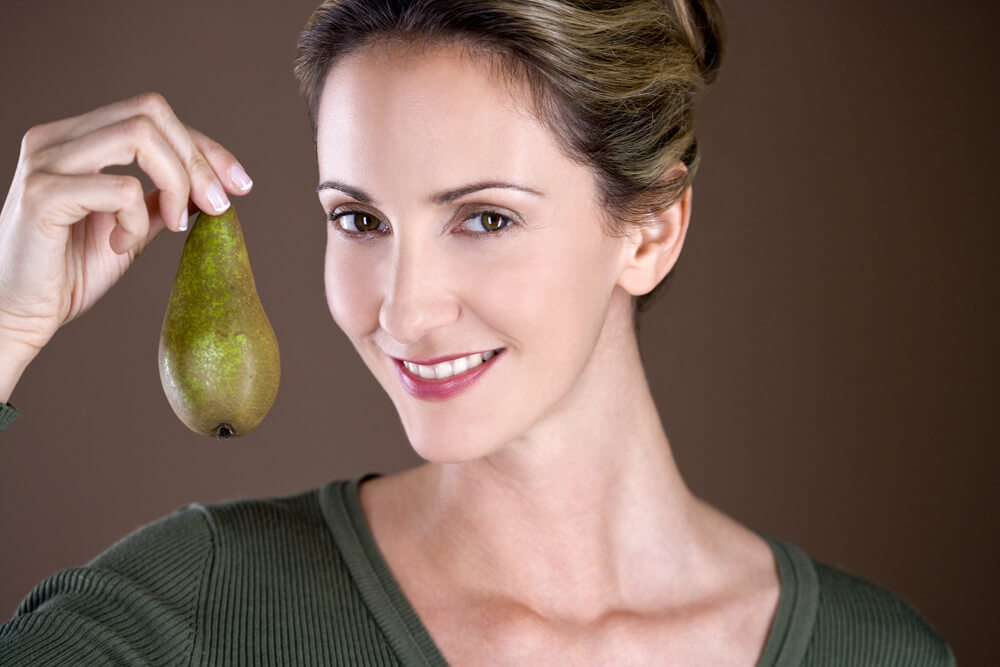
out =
column 393, row 109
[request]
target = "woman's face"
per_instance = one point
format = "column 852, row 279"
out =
column 462, row 243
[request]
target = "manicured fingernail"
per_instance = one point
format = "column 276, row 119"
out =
column 184, row 221
column 217, row 197
column 240, row 177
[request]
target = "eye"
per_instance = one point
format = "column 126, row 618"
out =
column 487, row 221
column 357, row 222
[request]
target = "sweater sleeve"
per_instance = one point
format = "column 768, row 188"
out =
column 7, row 415
column 136, row 604
column 859, row 623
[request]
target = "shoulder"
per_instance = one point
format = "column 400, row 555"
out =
column 104, row 611
column 862, row 623
column 255, row 523
column 180, row 586
column 197, row 540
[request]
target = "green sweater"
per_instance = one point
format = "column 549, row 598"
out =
column 300, row 581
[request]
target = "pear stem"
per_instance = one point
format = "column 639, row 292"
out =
column 224, row 431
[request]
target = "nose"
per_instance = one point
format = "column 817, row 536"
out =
column 419, row 297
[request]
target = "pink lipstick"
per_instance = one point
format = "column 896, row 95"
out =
column 461, row 372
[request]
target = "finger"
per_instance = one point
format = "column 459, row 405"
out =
column 133, row 139
column 156, row 225
column 156, row 222
column 109, row 114
column 229, row 170
column 206, row 190
column 67, row 199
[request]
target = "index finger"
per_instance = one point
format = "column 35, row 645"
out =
column 211, row 176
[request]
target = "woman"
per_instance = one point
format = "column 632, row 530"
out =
column 505, row 182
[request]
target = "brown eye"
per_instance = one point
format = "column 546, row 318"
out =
column 493, row 221
column 358, row 222
column 365, row 222
column 487, row 221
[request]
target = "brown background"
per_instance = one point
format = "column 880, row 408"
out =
column 824, row 359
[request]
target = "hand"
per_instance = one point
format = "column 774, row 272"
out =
column 68, row 231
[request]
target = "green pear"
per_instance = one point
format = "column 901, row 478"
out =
column 219, row 362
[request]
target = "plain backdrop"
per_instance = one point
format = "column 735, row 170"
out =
column 824, row 358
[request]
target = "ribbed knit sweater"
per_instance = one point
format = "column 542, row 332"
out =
column 300, row 581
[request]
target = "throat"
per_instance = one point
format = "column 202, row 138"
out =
column 591, row 550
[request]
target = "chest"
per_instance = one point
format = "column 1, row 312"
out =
column 501, row 634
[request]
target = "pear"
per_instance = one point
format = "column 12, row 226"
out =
column 219, row 362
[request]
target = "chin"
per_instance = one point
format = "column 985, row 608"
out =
column 439, row 452
column 437, row 441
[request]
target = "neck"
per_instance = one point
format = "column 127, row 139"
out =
column 591, row 497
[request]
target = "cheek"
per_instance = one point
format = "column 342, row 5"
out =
column 549, row 291
column 351, row 289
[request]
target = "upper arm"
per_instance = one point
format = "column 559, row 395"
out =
column 137, row 603
column 862, row 623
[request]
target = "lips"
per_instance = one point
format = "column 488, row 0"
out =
column 448, row 368
column 443, row 378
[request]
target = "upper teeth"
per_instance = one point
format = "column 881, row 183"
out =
column 448, row 368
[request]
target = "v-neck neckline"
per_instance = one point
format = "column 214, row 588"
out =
column 341, row 506
column 340, row 502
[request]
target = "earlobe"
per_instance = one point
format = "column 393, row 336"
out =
column 654, row 248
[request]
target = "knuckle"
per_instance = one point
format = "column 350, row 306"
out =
column 151, row 102
column 32, row 139
column 141, row 128
column 34, row 144
column 36, row 190
column 155, row 106
column 127, row 187
column 198, row 165
column 213, row 150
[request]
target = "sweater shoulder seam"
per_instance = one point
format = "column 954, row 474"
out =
column 207, row 576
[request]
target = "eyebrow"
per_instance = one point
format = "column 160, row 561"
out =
column 445, row 197
column 360, row 195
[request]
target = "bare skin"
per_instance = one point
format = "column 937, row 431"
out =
column 551, row 525
column 607, row 559
column 607, row 602
column 68, row 232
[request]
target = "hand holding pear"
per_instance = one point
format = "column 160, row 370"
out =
column 218, row 356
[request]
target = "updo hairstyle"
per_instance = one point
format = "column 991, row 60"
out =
column 614, row 80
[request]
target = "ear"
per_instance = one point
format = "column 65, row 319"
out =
column 653, row 249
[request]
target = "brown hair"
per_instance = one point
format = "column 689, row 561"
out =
column 615, row 80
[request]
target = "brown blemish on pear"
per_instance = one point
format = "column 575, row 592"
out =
column 218, row 356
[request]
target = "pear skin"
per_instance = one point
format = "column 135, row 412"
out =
column 218, row 356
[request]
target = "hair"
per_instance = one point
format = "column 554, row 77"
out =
column 615, row 80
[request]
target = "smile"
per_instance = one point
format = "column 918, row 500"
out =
column 447, row 369
column 443, row 379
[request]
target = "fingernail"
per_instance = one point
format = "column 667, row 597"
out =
column 240, row 177
column 184, row 221
column 217, row 197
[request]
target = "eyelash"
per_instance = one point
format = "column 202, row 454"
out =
column 335, row 218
